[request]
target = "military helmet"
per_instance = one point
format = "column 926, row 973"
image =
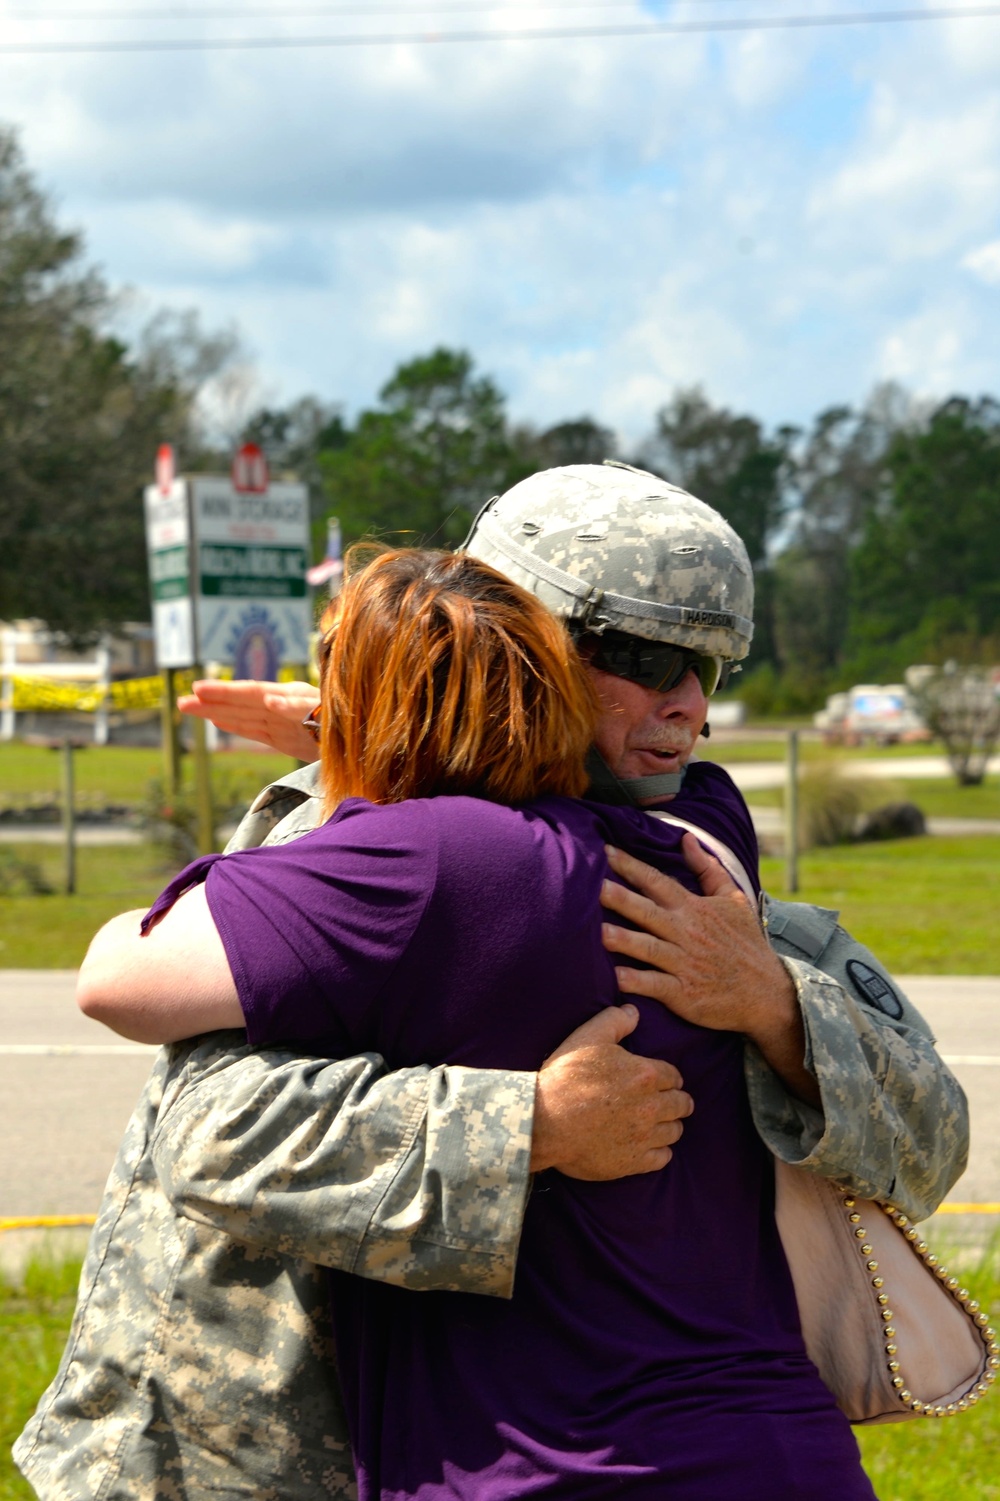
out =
column 609, row 547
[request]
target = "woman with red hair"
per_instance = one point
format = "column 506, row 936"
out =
column 448, row 910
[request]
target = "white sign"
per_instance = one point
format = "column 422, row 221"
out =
column 228, row 574
column 168, row 539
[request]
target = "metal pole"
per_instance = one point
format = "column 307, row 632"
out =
column 170, row 734
column 792, row 812
column 69, row 817
column 8, row 722
column 203, row 787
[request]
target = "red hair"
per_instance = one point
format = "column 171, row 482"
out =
column 441, row 676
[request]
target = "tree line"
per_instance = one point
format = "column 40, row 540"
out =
column 874, row 530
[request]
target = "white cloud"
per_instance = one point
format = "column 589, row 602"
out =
column 782, row 217
column 984, row 263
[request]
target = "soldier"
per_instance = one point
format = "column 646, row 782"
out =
column 157, row 1395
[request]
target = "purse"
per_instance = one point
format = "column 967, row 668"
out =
column 892, row 1334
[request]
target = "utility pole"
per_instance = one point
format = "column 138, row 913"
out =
column 69, row 816
column 792, row 812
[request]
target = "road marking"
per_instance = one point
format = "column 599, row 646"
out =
column 986, row 1060
column 968, row 1209
column 73, row 1049
column 48, row 1222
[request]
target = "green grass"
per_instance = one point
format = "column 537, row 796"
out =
column 949, row 1460
column 765, row 746
column 34, row 1320
column 938, row 797
column 117, row 774
column 941, row 797
column 52, row 932
column 926, row 906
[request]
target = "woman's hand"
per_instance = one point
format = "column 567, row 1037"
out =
column 269, row 712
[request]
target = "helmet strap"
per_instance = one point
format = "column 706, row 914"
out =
column 623, row 792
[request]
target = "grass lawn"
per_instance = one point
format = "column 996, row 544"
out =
column 52, row 932
column 926, row 906
column 941, row 797
column 34, row 1319
column 119, row 774
column 938, row 797
column 949, row 1460
column 773, row 749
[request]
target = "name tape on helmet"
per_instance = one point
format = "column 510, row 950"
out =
column 641, row 609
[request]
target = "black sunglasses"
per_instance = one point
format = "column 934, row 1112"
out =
column 657, row 665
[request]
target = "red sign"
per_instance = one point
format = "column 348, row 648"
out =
column 165, row 468
column 250, row 475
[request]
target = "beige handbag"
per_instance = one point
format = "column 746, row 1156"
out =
column 891, row 1333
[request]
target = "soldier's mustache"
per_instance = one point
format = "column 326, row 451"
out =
column 679, row 740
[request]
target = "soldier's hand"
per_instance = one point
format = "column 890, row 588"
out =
column 602, row 1112
column 269, row 712
column 712, row 963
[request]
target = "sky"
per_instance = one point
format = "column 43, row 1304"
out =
column 784, row 217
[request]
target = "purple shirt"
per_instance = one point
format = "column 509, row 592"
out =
column 652, row 1346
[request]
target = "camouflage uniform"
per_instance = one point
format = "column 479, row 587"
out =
column 200, row 1359
column 199, row 1364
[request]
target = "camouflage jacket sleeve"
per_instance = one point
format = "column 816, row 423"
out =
column 419, row 1177
column 893, row 1121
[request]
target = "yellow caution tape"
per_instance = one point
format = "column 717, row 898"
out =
column 57, row 695
column 47, row 693
column 968, row 1209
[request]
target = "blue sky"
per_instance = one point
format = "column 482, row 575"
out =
column 785, row 217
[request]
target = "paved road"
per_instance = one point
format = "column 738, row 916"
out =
column 770, row 825
column 754, row 776
column 67, row 1087
column 88, row 833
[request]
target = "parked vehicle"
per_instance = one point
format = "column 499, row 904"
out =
column 871, row 713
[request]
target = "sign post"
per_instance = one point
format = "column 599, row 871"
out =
column 69, row 817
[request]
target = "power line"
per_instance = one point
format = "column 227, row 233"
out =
column 243, row 12
column 715, row 25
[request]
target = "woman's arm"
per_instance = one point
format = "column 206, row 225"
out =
column 174, row 982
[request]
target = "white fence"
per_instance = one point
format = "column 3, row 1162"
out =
column 97, row 672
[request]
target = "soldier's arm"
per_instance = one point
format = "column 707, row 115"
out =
column 893, row 1121
column 418, row 1177
column 852, row 1088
